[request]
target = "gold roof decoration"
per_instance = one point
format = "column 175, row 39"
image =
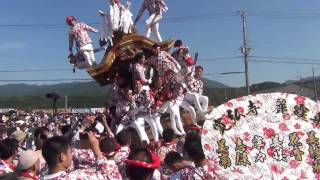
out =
column 119, row 56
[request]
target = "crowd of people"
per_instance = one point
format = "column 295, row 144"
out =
column 84, row 147
column 103, row 145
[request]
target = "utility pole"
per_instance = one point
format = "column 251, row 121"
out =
column 66, row 103
column 314, row 85
column 244, row 49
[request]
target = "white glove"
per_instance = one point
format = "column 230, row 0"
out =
column 184, row 86
column 178, row 66
column 149, row 81
column 151, row 73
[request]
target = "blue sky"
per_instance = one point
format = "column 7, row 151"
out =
column 286, row 28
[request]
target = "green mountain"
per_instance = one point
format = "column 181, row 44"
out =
column 80, row 94
column 75, row 89
column 90, row 94
column 213, row 84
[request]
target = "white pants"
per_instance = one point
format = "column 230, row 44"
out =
column 187, row 106
column 175, row 118
column 200, row 101
column 156, row 118
column 87, row 53
column 152, row 24
column 149, row 119
column 138, row 125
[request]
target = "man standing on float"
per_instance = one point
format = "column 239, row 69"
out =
column 79, row 33
column 155, row 9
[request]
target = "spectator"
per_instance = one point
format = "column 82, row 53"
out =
column 169, row 143
column 20, row 137
column 8, row 150
column 57, row 153
column 141, row 164
column 124, row 141
column 178, row 166
column 28, row 165
column 203, row 167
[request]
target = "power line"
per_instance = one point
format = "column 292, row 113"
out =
column 262, row 13
column 224, row 73
column 34, row 70
column 165, row 20
column 262, row 59
column 283, row 13
column 221, row 59
column 286, row 15
column 42, row 80
column 281, row 62
column 285, row 58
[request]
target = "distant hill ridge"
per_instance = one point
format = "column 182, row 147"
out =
column 74, row 89
column 90, row 94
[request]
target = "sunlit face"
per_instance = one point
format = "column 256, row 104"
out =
column 142, row 60
column 138, row 86
column 159, row 83
column 73, row 23
column 128, row 95
column 156, row 50
column 198, row 72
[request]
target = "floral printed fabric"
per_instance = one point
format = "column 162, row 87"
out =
column 104, row 170
column 195, row 85
column 83, row 158
column 167, row 147
column 120, row 158
column 79, row 34
column 144, row 101
column 162, row 151
column 264, row 136
column 139, row 73
column 163, row 62
column 153, row 6
column 124, row 110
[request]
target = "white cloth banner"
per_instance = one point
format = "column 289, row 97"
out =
column 265, row 136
